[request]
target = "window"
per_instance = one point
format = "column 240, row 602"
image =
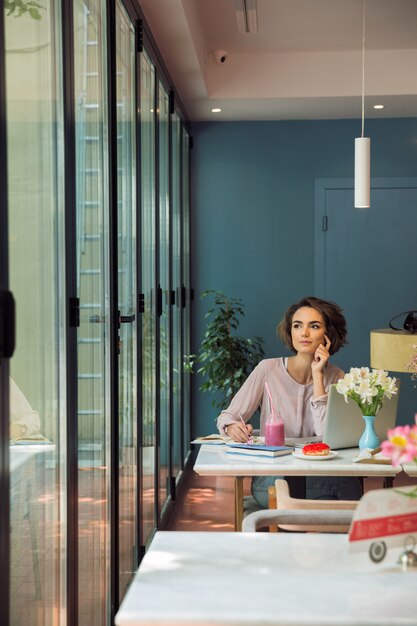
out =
column 92, row 250
column 148, row 288
column 82, row 497
column 177, row 426
column 165, row 298
column 37, row 280
column 126, row 211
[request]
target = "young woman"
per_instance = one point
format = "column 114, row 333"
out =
column 313, row 329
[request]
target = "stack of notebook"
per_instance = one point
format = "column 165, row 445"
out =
column 257, row 451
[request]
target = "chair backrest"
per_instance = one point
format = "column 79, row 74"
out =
column 283, row 501
column 267, row 517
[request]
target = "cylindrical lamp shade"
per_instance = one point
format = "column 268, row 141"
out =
column 362, row 172
column 392, row 349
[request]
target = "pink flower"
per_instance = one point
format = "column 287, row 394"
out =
column 401, row 445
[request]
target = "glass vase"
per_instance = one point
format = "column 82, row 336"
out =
column 369, row 438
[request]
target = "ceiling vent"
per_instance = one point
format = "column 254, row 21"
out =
column 246, row 16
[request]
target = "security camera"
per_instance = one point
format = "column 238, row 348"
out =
column 220, row 56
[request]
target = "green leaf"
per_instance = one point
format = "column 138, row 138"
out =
column 408, row 494
column 34, row 13
column 225, row 359
column 20, row 8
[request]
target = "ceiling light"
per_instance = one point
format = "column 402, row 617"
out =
column 363, row 146
column 379, row 106
column 216, row 110
column 246, row 16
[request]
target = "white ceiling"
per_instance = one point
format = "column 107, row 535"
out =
column 305, row 61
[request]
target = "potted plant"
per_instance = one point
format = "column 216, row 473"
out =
column 225, row 359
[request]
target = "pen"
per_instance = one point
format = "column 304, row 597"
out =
column 250, row 438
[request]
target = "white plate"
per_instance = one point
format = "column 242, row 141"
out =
column 308, row 457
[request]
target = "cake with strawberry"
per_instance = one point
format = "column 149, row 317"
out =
column 316, row 449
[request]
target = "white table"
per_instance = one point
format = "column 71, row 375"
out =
column 213, row 460
column 20, row 454
column 410, row 469
column 264, row 579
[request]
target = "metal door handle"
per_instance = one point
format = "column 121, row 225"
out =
column 7, row 324
column 127, row 319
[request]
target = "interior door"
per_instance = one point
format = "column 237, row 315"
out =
column 186, row 281
column 126, row 192
column 164, row 300
column 6, row 349
column 148, row 289
column 177, row 423
column 366, row 261
column 35, row 185
column 93, row 268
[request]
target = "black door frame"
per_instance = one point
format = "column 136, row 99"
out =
column 6, row 334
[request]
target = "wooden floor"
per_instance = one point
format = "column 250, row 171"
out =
column 207, row 503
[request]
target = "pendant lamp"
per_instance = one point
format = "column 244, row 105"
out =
column 363, row 146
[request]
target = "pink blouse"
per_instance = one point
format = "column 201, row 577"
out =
column 303, row 416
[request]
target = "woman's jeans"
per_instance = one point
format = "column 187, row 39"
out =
column 317, row 488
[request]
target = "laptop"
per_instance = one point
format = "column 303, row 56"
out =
column 344, row 423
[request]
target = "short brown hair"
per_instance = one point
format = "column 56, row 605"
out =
column 333, row 318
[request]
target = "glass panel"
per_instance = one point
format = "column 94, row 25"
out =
column 126, row 193
column 187, row 284
column 176, row 283
column 147, row 107
column 93, row 333
column 37, row 279
column 164, row 331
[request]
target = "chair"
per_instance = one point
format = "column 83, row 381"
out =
column 280, row 499
column 309, row 518
column 250, row 505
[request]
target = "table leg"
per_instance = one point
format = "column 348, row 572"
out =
column 238, row 502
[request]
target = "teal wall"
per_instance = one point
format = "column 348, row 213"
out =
column 253, row 214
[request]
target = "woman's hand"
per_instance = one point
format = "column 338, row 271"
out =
column 321, row 356
column 239, row 431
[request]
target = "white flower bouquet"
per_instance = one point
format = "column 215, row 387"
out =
column 368, row 388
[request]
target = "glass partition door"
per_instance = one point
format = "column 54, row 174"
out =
column 165, row 298
column 93, row 333
column 126, row 238
column 124, row 433
column 37, row 280
column 177, row 429
column 186, row 281
column 148, row 289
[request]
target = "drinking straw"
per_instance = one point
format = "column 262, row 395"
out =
column 271, row 406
